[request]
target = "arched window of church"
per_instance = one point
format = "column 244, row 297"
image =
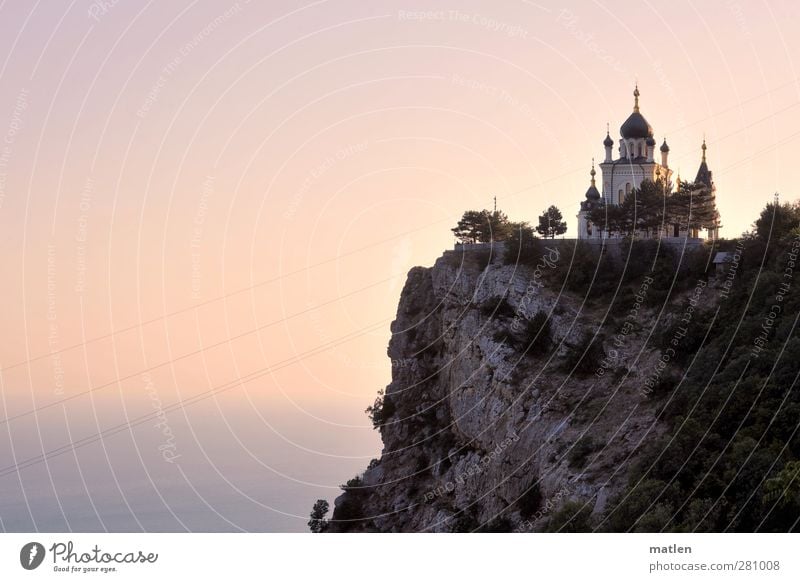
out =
column 627, row 188
column 620, row 196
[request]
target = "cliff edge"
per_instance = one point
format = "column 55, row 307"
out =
column 511, row 401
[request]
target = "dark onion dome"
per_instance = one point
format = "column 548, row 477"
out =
column 636, row 125
column 650, row 141
column 592, row 193
column 664, row 146
column 608, row 142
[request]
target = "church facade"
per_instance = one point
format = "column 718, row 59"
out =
column 635, row 163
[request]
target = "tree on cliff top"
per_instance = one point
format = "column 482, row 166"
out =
column 551, row 223
column 654, row 206
column 479, row 226
column 776, row 221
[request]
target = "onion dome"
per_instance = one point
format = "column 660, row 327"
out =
column 636, row 126
column 608, row 142
column 650, row 141
column 664, row 146
column 592, row 193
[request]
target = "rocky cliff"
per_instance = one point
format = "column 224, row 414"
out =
column 513, row 406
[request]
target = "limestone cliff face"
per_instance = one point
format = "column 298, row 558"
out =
column 478, row 433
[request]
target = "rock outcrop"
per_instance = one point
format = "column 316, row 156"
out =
column 511, row 403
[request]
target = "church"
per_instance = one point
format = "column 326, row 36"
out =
column 636, row 163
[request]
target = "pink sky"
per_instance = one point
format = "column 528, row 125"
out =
column 160, row 155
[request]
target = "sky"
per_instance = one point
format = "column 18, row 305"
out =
column 208, row 209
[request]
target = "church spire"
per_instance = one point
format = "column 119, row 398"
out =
column 704, row 175
column 636, row 98
column 592, row 194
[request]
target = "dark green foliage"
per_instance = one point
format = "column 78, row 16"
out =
column 777, row 221
column 533, row 337
column 585, row 357
column 482, row 226
column 522, row 246
column 466, row 522
column 573, row 517
column 529, row 502
column 348, row 514
column 590, row 271
column 352, row 483
column 500, row 524
column 536, row 337
column 580, row 451
column 692, row 207
column 349, row 511
column 317, row 523
column 653, row 206
column 497, row 307
column 551, row 223
column 380, row 410
column 726, row 456
column 731, row 452
column 664, row 385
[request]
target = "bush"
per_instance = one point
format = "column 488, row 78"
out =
column 381, row 410
column 497, row 307
column 530, row 501
column 353, row 483
column 466, row 522
column 584, row 269
column 585, row 357
column 522, row 246
column 573, row 517
column 350, row 509
column 500, row 524
column 536, row 336
column 581, row 450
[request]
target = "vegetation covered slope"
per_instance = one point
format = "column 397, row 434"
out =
column 643, row 389
column 728, row 461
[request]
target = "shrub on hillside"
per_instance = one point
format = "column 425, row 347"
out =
column 585, row 357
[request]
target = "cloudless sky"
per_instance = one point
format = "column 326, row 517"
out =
column 158, row 155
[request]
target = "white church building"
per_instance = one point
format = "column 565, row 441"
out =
column 635, row 163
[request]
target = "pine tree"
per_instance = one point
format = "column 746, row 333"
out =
column 693, row 207
column 479, row 226
column 551, row 223
column 653, row 207
column 318, row 523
